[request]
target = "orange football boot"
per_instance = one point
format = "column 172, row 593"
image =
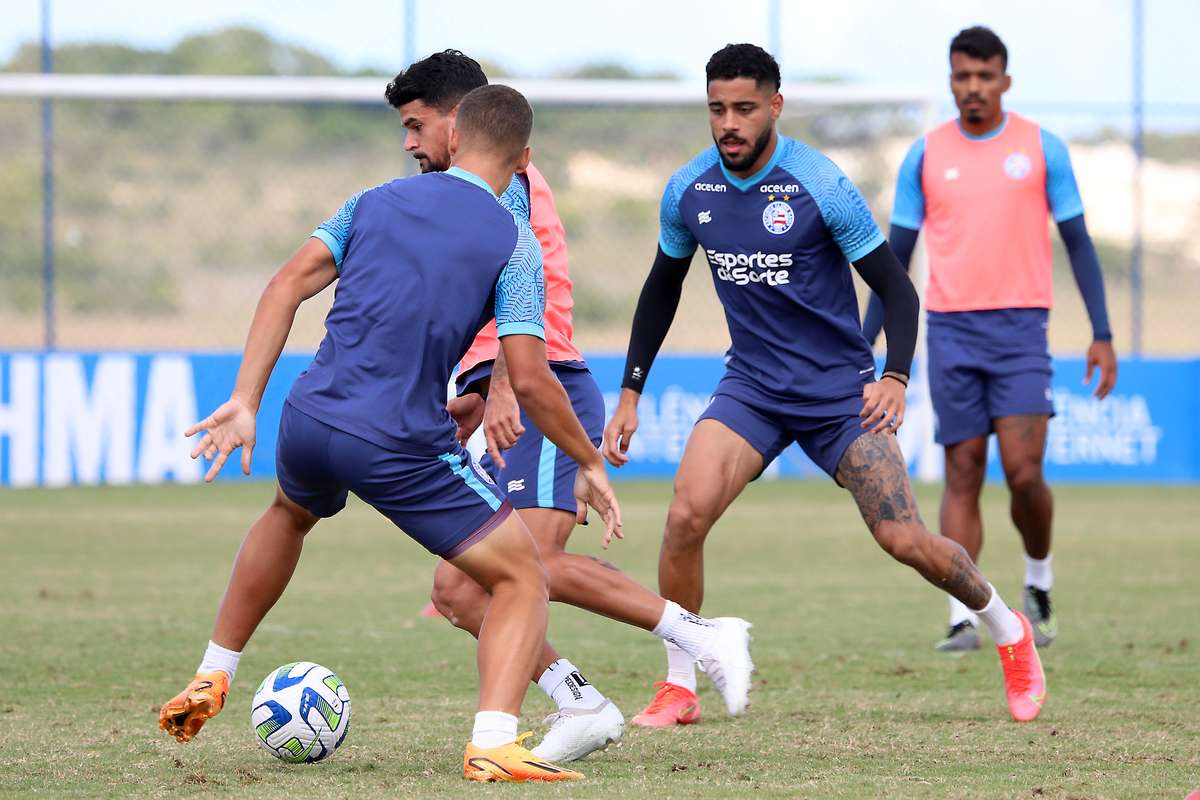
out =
column 672, row 705
column 1024, row 680
column 511, row 763
column 185, row 714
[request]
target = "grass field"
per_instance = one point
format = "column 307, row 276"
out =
column 109, row 596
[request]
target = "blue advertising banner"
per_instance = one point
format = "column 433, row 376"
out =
column 90, row 418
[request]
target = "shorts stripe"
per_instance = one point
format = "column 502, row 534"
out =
column 465, row 472
column 546, row 474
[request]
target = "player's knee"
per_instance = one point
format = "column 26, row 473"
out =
column 1025, row 476
column 965, row 473
column 687, row 524
column 449, row 596
column 903, row 542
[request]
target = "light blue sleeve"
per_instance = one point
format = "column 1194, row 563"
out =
column 335, row 231
column 673, row 236
column 908, row 209
column 521, row 289
column 1062, row 193
column 516, row 198
column 842, row 206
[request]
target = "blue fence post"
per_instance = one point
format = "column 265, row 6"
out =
column 1139, row 150
column 48, row 302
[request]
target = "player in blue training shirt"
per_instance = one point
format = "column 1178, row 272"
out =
column 539, row 479
column 778, row 222
column 421, row 263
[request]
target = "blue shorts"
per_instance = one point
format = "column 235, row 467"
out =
column 984, row 365
column 446, row 503
column 823, row 430
column 537, row 474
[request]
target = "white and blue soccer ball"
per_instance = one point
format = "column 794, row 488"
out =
column 301, row 712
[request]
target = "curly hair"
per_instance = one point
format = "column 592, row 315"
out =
column 743, row 61
column 441, row 81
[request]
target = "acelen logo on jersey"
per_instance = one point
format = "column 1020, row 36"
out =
column 741, row 269
column 779, row 188
column 711, row 187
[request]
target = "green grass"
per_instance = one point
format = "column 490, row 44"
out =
column 109, row 596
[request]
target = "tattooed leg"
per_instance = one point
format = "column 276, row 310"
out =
column 873, row 471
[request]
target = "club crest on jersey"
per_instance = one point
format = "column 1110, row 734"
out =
column 1017, row 166
column 778, row 217
column 482, row 473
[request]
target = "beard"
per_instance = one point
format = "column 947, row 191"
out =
column 427, row 164
column 744, row 162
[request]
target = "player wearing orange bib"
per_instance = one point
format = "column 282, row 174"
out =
column 983, row 186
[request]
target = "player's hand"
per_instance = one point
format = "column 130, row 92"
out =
column 467, row 413
column 229, row 427
column 620, row 429
column 501, row 421
column 1102, row 355
column 883, row 405
column 593, row 489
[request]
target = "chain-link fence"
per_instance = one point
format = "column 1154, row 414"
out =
column 170, row 216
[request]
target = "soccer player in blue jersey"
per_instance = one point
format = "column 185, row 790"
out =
column 983, row 186
column 538, row 477
column 778, row 222
column 422, row 264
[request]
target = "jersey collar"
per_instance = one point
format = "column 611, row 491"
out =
column 983, row 137
column 743, row 184
column 470, row 177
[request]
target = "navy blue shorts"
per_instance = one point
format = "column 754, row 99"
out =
column 537, row 474
column 446, row 503
column 984, row 365
column 823, row 430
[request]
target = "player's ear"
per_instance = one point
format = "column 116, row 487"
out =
column 523, row 159
column 1005, row 83
column 453, row 141
column 776, row 105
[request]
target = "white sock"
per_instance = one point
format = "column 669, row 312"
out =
column 568, row 688
column 960, row 613
column 217, row 657
column 681, row 667
column 1001, row 622
column 494, row 729
column 684, row 629
column 1038, row 572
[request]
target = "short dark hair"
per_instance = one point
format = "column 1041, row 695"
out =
column 743, row 61
column 980, row 42
column 499, row 114
column 441, row 81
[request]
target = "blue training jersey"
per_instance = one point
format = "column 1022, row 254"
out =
column 778, row 244
column 423, row 263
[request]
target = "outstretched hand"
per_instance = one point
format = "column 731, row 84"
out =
column 593, row 489
column 1102, row 355
column 619, row 433
column 229, row 427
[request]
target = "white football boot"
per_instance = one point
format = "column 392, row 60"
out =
column 576, row 732
column 727, row 662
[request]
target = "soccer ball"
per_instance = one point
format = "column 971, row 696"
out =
column 301, row 712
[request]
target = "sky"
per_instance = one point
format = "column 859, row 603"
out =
column 1060, row 51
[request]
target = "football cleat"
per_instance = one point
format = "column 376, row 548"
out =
column 185, row 714
column 1024, row 680
column 672, row 705
column 511, row 763
column 576, row 732
column 961, row 637
column 1041, row 616
column 727, row 662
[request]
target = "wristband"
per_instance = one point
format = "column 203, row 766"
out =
column 901, row 378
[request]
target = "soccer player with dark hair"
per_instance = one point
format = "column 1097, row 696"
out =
column 537, row 475
column 422, row 263
column 778, row 222
column 983, row 186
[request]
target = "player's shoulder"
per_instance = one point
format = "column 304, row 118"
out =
column 682, row 178
column 812, row 169
column 526, row 248
column 516, row 197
